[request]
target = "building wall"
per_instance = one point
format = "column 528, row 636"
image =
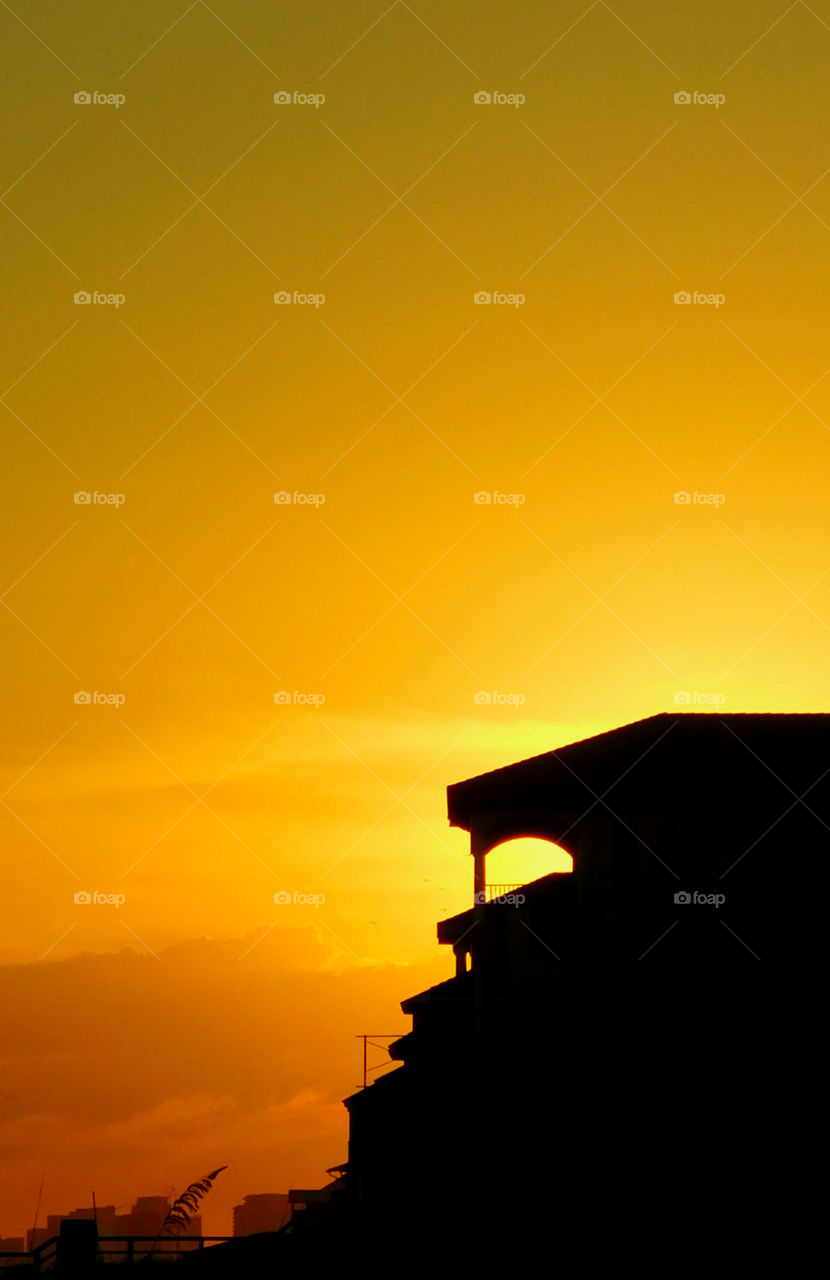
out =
column 266, row 1212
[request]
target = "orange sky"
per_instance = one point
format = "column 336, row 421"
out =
column 199, row 1022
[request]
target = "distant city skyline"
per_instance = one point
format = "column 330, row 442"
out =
column 257, row 1211
column 144, row 1218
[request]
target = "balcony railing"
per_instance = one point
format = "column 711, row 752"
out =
column 501, row 890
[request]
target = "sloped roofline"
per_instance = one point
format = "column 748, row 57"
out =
column 459, row 793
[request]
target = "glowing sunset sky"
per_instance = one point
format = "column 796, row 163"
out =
column 657, row 275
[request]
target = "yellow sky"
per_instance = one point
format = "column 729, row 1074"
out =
column 581, row 399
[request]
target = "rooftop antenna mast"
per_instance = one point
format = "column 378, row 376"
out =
column 95, row 1220
column 369, row 1039
column 37, row 1206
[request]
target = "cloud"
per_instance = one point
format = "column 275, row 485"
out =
column 134, row 1074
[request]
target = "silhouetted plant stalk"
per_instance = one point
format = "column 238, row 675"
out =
column 185, row 1205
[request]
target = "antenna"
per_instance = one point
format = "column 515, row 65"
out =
column 95, row 1220
column 369, row 1039
column 37, row 1206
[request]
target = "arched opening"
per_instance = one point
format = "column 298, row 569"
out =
column 516, row 862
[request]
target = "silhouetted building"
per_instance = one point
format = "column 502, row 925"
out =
column 77, row 1250
column 628, row 1064
column 634, row 1051
column 268, row 1212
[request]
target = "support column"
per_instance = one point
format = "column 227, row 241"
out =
column 478, row 850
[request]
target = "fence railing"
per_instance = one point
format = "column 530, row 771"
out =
column 114, row 1249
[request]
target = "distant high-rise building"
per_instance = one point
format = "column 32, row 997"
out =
column 39, row 1235
column 144, row 1219
column 257, row 1213
column 146, row 1216
column 104, row 1215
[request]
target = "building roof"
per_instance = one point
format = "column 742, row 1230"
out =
column 663, row 762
